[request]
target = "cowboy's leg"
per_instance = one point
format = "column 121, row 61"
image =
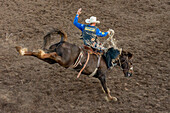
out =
column 98, row 47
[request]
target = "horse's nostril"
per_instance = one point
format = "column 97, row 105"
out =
column 128, row 75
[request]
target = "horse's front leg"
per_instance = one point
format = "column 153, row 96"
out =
column 102, row 79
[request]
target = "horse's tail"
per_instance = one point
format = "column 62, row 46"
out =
column 47, row 37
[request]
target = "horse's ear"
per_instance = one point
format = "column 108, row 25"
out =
column 129, row 55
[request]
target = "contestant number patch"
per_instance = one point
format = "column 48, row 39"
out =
column 90, row 29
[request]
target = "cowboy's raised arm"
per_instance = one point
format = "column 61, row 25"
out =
column 78, row 25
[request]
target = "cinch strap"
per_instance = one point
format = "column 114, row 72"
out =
column 88, row 56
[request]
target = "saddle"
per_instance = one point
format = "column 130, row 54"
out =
column 110, row 55
column 93, row 50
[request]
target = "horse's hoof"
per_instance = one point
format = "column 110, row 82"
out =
column 18, row 48
column 110, row 99
column 114, row 99
column 21, row 50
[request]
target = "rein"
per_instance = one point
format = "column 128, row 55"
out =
column 121, row 63
column 118, row 61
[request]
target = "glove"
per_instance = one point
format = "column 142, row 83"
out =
column 79, row 11
column 111, row 31
column 108, row 33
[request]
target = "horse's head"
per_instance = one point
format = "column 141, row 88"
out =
column 125, row 63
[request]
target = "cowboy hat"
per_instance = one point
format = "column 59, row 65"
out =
column 92, row 20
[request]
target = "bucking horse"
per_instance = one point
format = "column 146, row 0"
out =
column 70, row 55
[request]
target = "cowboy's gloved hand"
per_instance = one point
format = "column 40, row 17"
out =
column 108, row 33
column 111, row 32
column 79, row 11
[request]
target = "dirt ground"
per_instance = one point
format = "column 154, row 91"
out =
column 28, row 85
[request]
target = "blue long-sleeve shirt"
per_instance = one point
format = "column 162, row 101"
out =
column 81, row 27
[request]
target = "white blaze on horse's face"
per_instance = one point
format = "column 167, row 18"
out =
column 131, row 68
column 127, row 67
column 130, row 71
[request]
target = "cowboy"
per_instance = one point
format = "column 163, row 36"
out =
column 90, row 31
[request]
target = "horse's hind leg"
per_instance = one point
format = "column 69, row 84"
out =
column 102, row 79
column 40, row 54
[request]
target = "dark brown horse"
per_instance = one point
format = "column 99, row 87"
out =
column 66, row 54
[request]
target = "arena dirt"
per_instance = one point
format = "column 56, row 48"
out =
column 28, row 85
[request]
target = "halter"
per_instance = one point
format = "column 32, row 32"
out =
column 131, row 68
